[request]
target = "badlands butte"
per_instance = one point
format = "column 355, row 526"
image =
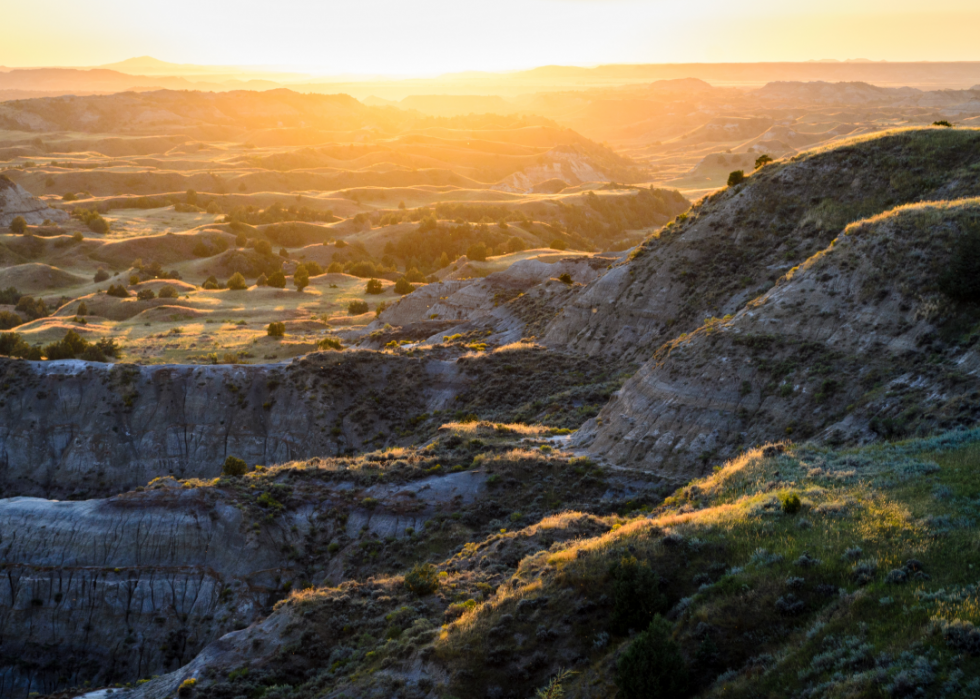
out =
column 305, row 397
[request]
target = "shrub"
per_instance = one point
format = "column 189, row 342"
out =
column 373, row 287
column 69, row 196
column 263, row 247
column 762, row 161
column 277, row 280
column 942, row 122
column 330, row 342
column 652, row 666
column 10, row 295
column 380, row 309
column 134, row 279
column 13, row 345
column 72, row 345
column 186, row 687
column 119, row 291
column 262, row 280
column 791, row 503
column 565, row 278
column 9, row 320
column 301, row 278
column 276, row 329
column 18, row 225
column 167, row 292
column 636, row 594
column 356, row 308
column 516, row 244
column 402, row 286
column 145, row 294
column 737, row 177
column 31, row 307
column 237, row 282
column 335, row 268
column 100, row 275
column 234, row 466
column 477, row 252
column 558, row 244
column 422, row 579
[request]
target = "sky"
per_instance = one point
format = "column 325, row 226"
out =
column 427, row 37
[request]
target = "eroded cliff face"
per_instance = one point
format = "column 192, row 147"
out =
column 103, row 590
column 734, row 245
column 16, row 201
column 856, row 345
column 77, row 429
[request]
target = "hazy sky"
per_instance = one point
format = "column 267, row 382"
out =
column 433, row 36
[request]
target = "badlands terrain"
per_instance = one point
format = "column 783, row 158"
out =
column 310, row 396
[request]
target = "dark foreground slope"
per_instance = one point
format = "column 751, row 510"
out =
column 864, row 590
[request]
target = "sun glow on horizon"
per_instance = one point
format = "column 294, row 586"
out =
column 385, row 37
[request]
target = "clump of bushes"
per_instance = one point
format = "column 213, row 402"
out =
column 145, row 295
column 422, row 579
column 356, row 308
column 9, row 320
column 234, row 466
column 117, row 290
column 74, row 346
column 186, row 687
column 276, row 329
column 13, row 345
column 330, row 343
column 374, row 286
column 32, row 308
column 652, row 666
column 93, row 219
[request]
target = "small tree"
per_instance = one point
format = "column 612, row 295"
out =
column 82, row 309
column 402, row 286
column 277, row 280
column 234, row 466
column 636, row 594
column 167, row 292
column 762, row 161
column 356, row 308
column 652, row 666
column 335, row 268
column 100, row 275
column 301, row 278
column 737, row 177
column 565, row 278
column 276, row 329
column 943, row 123
column 237, row 282
column 263, row 247
column 145, row 294
column 18, row 225
column 558, row 244
column 262, row 280
column 374, row 287
column 119, row 291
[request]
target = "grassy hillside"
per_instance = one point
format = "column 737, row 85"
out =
column 791, row 571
